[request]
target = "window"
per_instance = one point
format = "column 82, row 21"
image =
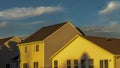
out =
column 75, row 63
column 55, row 64
column 8, row 66
column 35, row 64
column 103, row 63
column 17, row 64
column 68, row 63
column 91, row 63
column 106, row 63
column 37, row 48
column 25, row 65
column 83, row 62
column 25, row 49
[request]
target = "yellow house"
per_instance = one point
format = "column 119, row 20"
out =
column 36, row 50
column 88, row 52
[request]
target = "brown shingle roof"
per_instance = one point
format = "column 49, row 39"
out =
column 42, row 33
column 110, row 44
column 2, row 41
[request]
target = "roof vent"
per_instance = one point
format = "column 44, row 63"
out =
column 108, row 39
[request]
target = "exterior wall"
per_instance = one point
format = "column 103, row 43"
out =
column 80, row 48
column 56, row 41
column 31, row 56
column 117, row 62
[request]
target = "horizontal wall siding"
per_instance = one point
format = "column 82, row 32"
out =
column 31, row 56
column 83, row 49
column 117, row 62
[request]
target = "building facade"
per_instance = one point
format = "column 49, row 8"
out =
column 85, row 52
column 32, row 55
column 48, row 39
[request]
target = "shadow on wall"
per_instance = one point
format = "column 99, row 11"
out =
column 84, row 61
column 9, row 57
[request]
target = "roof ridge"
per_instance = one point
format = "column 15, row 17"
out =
column 53, row 25
column 6, row 38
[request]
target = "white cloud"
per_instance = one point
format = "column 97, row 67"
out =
column 6, row 24
column 112, row 27
column 16, row 13
column 3, row 24
column 32, row 23
column 111, row 7
column 8, row 28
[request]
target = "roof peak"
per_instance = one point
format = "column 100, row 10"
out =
column 54, row 25
column 44, row 32
column 3, row 40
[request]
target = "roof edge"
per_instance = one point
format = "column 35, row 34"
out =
column 97, row 45
column 29, row 42
column 16, row 37
column 80, row 32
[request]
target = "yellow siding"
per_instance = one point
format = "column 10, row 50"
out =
column 81, row 47
column 117, row 62
column 31, row 55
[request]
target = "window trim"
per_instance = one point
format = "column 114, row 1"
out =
column 104, row 64
column 36, row 65
column 55, row 63
column 25, row 65
column 91, row 63
column 36, row 48
column 76, row 63
column 25, row 49
column 68, row 63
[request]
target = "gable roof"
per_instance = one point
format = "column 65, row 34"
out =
column 2, row 41
column 64, row 46
column 43, row 33
column 110, row 44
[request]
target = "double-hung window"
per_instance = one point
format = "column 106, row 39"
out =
column 75, row 63
column 91, row 63
column 35, row 64
column 103, row 63
column 25, row 65
column 68, row 63
column 55, row 64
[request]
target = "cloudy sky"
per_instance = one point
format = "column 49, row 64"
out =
column 23, row 17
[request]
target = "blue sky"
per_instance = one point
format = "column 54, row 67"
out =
column 23, row 17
